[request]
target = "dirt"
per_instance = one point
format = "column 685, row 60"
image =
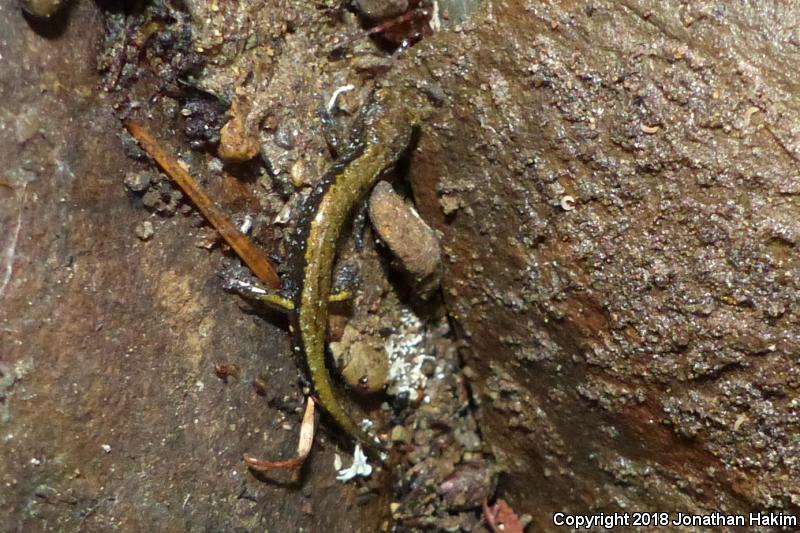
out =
column 614, row 188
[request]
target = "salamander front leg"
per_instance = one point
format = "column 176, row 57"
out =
column 259, row 293
column 333, row 135
column 273, row 298
column 341, row 296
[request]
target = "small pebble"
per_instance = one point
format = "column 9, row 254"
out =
column 372, row 65
column 381, row 9
column 144, row 230
column 236, row 144
column 400, row 434
column 298, row 174
column 363, row 366
column 138, row 181
column 450, row 204
column 151, row 199
column 260, row 386
column 44, row 491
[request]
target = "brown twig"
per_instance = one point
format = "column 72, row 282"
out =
column 380, row 28
column 253, row 257
column 303, row 446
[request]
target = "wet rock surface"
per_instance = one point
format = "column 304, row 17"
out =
column 639, row 349
column 616, row 190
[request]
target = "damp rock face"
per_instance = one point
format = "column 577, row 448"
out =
column 612, row 184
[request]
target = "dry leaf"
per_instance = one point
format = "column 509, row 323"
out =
column 303, row 446
column 501, row 517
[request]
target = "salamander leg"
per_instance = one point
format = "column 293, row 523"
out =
column 273, row 298
column 260, row 293
column 337, row 143
column 340, row 296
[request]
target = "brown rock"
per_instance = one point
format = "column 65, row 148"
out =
column 236, row 144
column 363, row 365
column 409, row 238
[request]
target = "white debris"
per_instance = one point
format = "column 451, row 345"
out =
column 435, row 23
column 360, row 466
column 337, row 462
column 405, row 350
column 106, row 448
column 335, row 95
column 247, row 225
column 35, row 462
column 8, row 253
column 284, row 214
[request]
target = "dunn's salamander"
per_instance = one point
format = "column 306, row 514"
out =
column 388, row 126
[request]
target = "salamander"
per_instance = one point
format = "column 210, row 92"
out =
column 387, row 128
column 385, row 131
